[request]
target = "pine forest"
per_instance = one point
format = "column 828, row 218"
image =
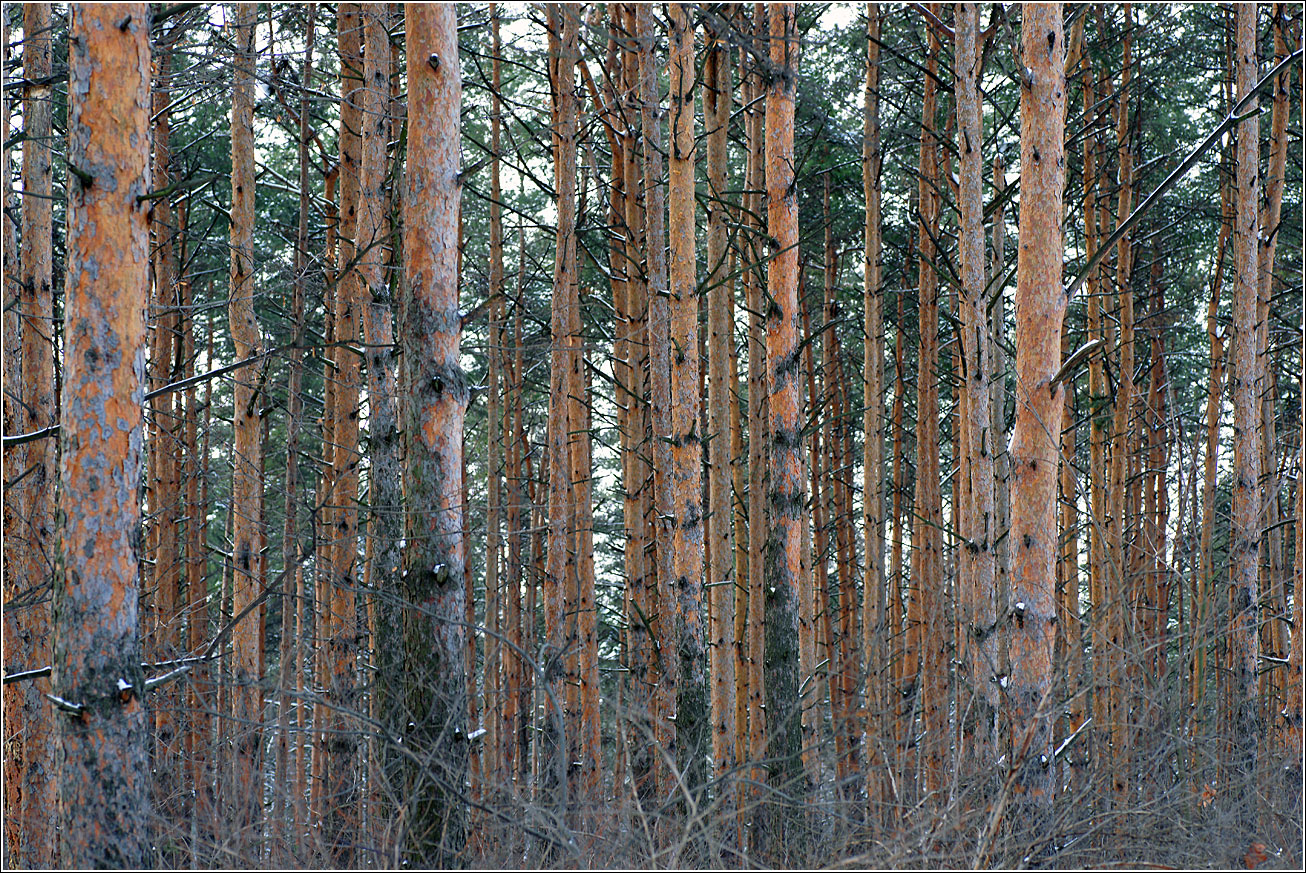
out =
column 652, row 435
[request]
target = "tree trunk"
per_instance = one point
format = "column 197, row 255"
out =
column 560, row 569
column 166, row 438
column 15, row 718
column 900, row 682
column 875, row 628
column 102, row 731
column 1202, row 608
column 721, row 578
column 758, row 469
column 325, row 517
column 437, row 396
column 29, row 560
column 976, row 581
column 1123, row 485
column 927, row 596
column 641, row 551
column 1245, row 532
column 376, row 261
column 342, row 630
column 686, row 473
column 1272, row 574
column 814, row 580
column 659, row 342
column 1040, row 308
column 247, row 486
column 285, row 799
column 786, row 492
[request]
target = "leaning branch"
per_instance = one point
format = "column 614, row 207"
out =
column 1235, row 115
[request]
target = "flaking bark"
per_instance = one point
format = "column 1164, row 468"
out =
column 103, row 751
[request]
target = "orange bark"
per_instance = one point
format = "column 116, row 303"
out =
column 721, row 578
column 166, row 414
column 495, row 652
column 875, row 628
column 1121, row 599
column 1245, row 532
column 659, row 367
column 686, row 472
column 976, row 582
column 437, row 394
column 641, row 551
column 104, row 808
column 1040, row 308
column 1272, row 572
column 247, row 485
column 758, row 472
column 786, row 490
column 30, row 533
column 924, row 652
column 560, row 567
column 341, row 623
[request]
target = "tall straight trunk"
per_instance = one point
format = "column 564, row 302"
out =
column 286, row 803
column 758, row 468
column 1121, row 597
column 436, row 398
column 1100, row 586
column 900, row 682
column 1275, row 533
column 376, row 262
column 1157, row 592
column 166, row 413
column 195, row 468
column 1245, row 532
column 496, row 653
column 1202, row 608
column 247, row 485
column 560, row 568
column 739, row 479
column 786, row 493
column 520, row 682
column 843, row 655
column 831, row 609
column 927, row 594
column 15, row 709
column 342, row 631
column 623, row 397
column 475, row 777
column 324, row 521
column 1040, row 308
column 583, row 645
column 997, row 651
column 585, row 607
column 977, row 571
column 641, row 551
column 202, row 696
column 1070, row 649
column 721, row 578
column 29, row 561
column 659, row 342
column 686, row 473
column 875, row 629
column 815, row 579
column 1290, row 717
column 104, row 804
column 1290, row 731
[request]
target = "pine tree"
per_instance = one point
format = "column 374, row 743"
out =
column 1040, row 308
column 247, row 478
column 101, row 728
column 436, row 396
